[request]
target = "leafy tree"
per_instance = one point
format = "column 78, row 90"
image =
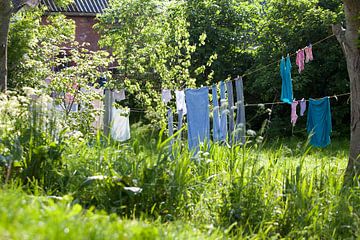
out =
column 231, row 29
column 348, row 39
column 150, row 42
column 29, row 41
column 285, row 27
column 8, row 9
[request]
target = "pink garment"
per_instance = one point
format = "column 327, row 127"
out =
column 300, row 59
column 294, row 116
column 309, row 54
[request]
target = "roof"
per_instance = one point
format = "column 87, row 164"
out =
column 78, row 7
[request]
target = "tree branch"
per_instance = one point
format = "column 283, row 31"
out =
column 19, row 4
column 339, row 32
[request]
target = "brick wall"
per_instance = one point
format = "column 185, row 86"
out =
column 84, row 31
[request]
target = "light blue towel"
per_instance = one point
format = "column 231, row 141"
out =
column 223, row 110
column 170, row 125
column 197, row 104
column 216, row 120
column 180, row 119
column 285, row 72
column 319, row 122
column 230, row 92
column 240, row 112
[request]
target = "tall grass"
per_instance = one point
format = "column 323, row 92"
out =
column 278, row 189
column 261, row 191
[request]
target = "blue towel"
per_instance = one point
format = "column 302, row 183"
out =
column 223, row 118
column 170, row 126
column 216, row 120
column 285, row 72
column 230, row 92
column 180, row 119
column 319, row 122
column 240, row 112
column 197, row 104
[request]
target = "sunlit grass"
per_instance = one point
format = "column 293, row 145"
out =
column 142, row 189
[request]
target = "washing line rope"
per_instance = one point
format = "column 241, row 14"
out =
column 292, row 54
column 260, row 104
column 260, row 68
column 307, row 100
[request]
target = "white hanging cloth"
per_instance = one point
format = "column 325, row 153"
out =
column 120, row 127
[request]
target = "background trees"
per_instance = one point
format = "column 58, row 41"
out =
column 160, row 45
column 186, row 43
column 348, row 40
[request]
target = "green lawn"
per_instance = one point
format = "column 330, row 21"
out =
column 137, row 190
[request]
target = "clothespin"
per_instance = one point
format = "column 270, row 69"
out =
column 336, row 98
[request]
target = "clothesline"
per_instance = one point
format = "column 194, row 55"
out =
column 278, row 61
column 278, row 103
column 257, row 104
column 258, row 69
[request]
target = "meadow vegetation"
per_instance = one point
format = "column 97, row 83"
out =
column 67, row 184
column 62, row 179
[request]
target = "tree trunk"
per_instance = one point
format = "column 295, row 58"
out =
column 5, row 14
column 348, row 39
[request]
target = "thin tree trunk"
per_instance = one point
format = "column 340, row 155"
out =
column 349, row 41
column 5, row 14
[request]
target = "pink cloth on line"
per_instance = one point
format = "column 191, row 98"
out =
column 309, row 54
column 300, row 59
column 294, row 116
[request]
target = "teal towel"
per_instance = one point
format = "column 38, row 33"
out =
column 319, row 122
column 285, row 72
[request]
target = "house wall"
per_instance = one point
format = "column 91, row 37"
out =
column 84, row 31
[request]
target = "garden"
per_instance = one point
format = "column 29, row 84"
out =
column 144, row 136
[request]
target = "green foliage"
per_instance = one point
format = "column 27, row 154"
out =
column 260, row 191
column 74, row 80
column 36, row 217
column 30, row 142
column 150, row 42
column 287, row 26
column 32, row 43
column 231, row 29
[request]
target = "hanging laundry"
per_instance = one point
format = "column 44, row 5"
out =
column 119, row 95
column 223, row 111
column 197, row 104
column 98, row 105
column 309, row 54
column 180, row 117
column 294, row 115
column 240, row 112
column 74, row 107
column 319, row 122
column 300, row 59
column 285, row 72
column 216, row 120
column 120, row 127
column 170, row 127
column 302, row 107
column 166, row 95
column 180, row 101
column 229, row 87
